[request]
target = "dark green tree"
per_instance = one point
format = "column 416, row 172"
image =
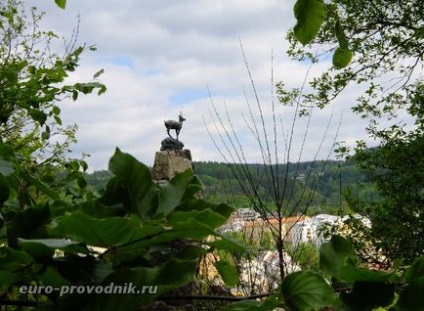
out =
column 379, row 45
column 386, row 42
column 32, row 84
column 397, row 167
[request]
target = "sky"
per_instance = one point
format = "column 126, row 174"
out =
column 161, row 58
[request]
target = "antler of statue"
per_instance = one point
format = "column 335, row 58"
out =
column 175, row 125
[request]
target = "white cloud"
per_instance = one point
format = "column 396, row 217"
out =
column 160, row 57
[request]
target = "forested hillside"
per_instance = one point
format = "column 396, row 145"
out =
column 327, row 182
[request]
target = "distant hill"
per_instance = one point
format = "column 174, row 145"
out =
column 319, row 184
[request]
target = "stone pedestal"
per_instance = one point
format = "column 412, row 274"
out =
column 170, row 162
column 167, row 164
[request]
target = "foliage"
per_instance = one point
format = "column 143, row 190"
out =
column 126, row 236
column 386, row 38
column 61, row 3
column 306, row 255
column 352, row 286
column 397, row 167
column 372, row 42
column 256, row 275
column 273, row 190
column 32, row 83
column 53, row 231
column 310, row 15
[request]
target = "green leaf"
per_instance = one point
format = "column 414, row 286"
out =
column 40, row 186
column 4, row 190
column 102, row 90
column 115, row 194
column 207, row 217
column 227, row 244
column 411, row 298
column 305, row 291
column 98, row 73
column 52, row 277
column 74, row 95
column 82, row 183
column 341, row 36
column 416, row 270
column 191, row 252
column 350, row 273
column 11, row 75
column 228, row 272
column 74, row 165
column 177, row 230
column 182, row 230
column 251, row 305
column 141, row 194
column 56, row 110
column 82, row 269
column 96, row 210
column 7, row 278
column 199, row 205
column 32, row 69
column 87, row 88
column 45, row 135
column 61, row 3
column 38, row 116
column 335, row 254
column 145, row 284
column 368, row 295
column 12, row 260
column 6, row 168
column 38, row 251
column 342, row 57
column 27, row 224
column 106, row 232
column 58, row 120
column 84, row 165
column 310, row 15
column 60, row 244
column 171, row 195
column 188, row 228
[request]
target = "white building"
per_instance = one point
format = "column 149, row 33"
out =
column 301, row 232
column 320, row 223
column 313, row 229
column 246, row 214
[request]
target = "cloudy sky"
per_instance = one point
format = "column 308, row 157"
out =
column 162, row 57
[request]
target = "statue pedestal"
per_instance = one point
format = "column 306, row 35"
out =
column 170, row 143
column 168, row 163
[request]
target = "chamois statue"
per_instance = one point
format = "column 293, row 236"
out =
column 175, row 125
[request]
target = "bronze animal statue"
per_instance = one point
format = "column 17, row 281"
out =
column 175, row 125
